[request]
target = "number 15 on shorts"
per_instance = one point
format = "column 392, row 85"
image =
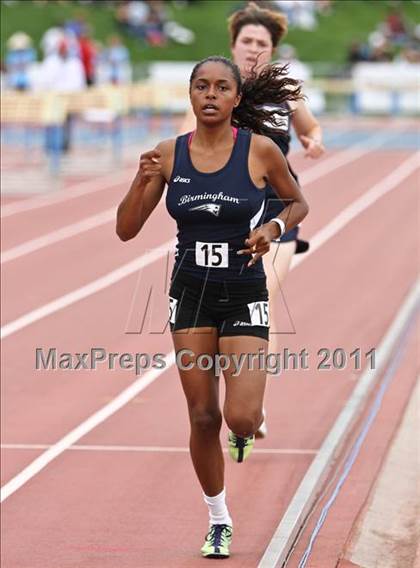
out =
column 259, row 313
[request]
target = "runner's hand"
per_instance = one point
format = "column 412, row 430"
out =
column 313, row 148
column 149, row 166
column 258, row 242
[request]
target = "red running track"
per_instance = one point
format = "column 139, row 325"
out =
column 131, row 498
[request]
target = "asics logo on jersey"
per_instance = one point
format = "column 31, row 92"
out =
column 210, row 207
column 181, row 180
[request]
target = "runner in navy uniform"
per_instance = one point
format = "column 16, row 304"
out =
column 254, row 35
column 216, row 177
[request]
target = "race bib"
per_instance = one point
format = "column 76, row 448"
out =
column 172, row 309
column 259, row 313
column 212, row 255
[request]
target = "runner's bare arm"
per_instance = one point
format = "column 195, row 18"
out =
column 308, row 130
column 278, row 176
column 276, row 172
column 146, row 190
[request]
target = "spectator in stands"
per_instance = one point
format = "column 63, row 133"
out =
column 132, row 16
column 51, row 40
column 77, row 24
column 380, row 49
column 61, row 71
column 390, row 41
column 87, row 54
column 56, row 35
column 113, row 64
column 300, row 13
column 155, row 32
column 395, row 28
column 357, row 52
column 20, row 59
column 144, row 20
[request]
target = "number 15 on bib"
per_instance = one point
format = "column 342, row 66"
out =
column 214, row 255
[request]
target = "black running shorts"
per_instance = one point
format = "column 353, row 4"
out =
column 233, row 308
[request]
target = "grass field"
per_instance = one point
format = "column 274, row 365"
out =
column 348, row 20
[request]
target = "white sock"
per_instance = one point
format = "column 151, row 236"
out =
column 218, row 511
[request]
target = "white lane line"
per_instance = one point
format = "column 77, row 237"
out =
column 76, row 190
column 86, row 426
column 88, row 290
column 39, row 463
column 302, row 501
column 60, row 234
column 380, row 189
column 327, row 165
column 344, row 157
column 156, row 449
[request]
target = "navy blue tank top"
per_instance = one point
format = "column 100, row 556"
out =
column 215, row 213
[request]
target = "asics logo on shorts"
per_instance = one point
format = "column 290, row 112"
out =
column 182, row 180
column 210, row 207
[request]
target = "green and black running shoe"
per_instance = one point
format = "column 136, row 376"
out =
column 217, row 542
column 240, row 448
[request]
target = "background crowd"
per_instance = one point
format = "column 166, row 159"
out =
column 70, row 58
column 394, row 39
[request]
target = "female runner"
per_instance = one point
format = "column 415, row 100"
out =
column 254, row 36
column 217, row 177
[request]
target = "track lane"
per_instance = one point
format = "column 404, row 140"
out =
column 97, row 539
column 85, row 548
column 79, row 263
column 18, row 229
column 48, row 334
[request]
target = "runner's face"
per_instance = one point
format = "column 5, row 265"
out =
column 214, row 93
column 252, row 45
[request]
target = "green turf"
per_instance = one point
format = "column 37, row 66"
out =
column 349, row 19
